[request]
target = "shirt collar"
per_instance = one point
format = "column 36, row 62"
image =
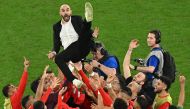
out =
column 65, row 22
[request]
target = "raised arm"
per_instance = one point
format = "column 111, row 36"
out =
column 85, row 79
column 60, row 103
column 96, row 32
column 23, row 81
column 41, row 84
column 95, row 81
column 182, row 91
column 126, row 63
column 109, row 86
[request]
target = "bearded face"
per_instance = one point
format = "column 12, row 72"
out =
column 159, row 86
column 65, row 12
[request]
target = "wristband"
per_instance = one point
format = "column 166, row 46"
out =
column 99, row 65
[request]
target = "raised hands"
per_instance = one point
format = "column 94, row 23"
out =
column 78, row 65
column 182, row 79
column 88, row 67
column 95, row 63
column 26, row 63
column 55, row 83
column 44, row 73
column 110, row 78
column 181, row 99
column 133, row 44
column 51, row 55
column 95, row 82
column 96, row 32
column 63, row 90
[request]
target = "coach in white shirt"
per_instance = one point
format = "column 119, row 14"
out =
column 76, row 37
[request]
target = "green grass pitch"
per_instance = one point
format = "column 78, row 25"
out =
column 26, row 30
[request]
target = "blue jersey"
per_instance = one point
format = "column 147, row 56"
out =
column 153, row 61
column 110, row 62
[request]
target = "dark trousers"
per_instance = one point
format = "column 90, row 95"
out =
column 76, row 51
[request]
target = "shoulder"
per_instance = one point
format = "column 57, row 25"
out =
column 111, row 62
column 169, row 98
column 77, row 17
column 57, row 24
column 112, row 59
column 157, row 53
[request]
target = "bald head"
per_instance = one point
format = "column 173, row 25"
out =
column 65, row 5
column 65, row 12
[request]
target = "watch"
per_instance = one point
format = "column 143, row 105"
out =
column 99, row 65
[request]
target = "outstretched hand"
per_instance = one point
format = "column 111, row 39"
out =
column 88, row 67
column 110, row 78
column 133, row 44
column 51, row 55
column 56, row 82
column 45, row 70
column 96, row 32
column 78, row 65
column 63, row 90
column 182, row 79
column 95, row 63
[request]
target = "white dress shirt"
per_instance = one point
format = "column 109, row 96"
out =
column 68, row 34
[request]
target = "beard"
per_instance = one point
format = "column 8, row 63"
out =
column 66, row 17
column 157, row 91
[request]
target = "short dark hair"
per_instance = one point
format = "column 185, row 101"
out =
column 99, row 46
column 121, row 79
column 157, row 34
column 38, row 105
column 34, row 85
column 127, row 91
column 166, row 81
column 25, row 100
column 120, row 104
column 5, row 90
column 146, row 77
column 143, row 103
